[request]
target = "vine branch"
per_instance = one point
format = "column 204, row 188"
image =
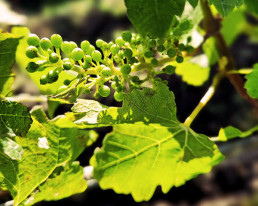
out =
column 212, row 27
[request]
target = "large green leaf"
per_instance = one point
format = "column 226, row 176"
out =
column 226, row 6
column 139, row 155
column 252, row 83
column 146, row 105
column 70, row 181
column 46, row 147
column 194, row 3
column 8, row 45
column 14, row 119
column 230, row 132
column 137, row 158
column 152, row 17
column 10, row 148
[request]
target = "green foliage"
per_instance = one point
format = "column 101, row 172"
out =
column 60, row 184
column 15, row 119
column 226, row 6
column 175, row 155
column 152, row 17
column 46, row 147
column 8, row 45
column 147, row 105
column 230, row 132
column 252, row 84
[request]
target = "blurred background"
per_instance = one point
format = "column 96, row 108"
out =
column 232, row 183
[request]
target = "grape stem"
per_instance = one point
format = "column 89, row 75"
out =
column 205, row 99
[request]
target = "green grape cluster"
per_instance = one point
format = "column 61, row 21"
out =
column 113, row 63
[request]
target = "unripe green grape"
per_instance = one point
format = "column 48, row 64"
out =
column 33, row 40
column 110, row 44
column 113, row 85
column 66, row 47
column 169, row 69
column 53, row 57
column 128, row 53
column 121, row 54
column 88, row 58
column 154, row 62
column 96, row 95
column 179, row 59
column 56, row 40
column 96, row 56
column 104, row 91
column 171, row 52
column 114, row 49
column 136, row 79
column 177, row 32
column 67, row 65
column 42, row 64
column 116, row 79
column 43, row 80
column 45, row 43
column 181, row 47
column 120, row 42
column 118, row 96
column 90, row 50
column 160, row 48
column 86, row 91
column 31, row 52
column 125, row 69
column 86, row 65
column 148, row 54
column 127, row 36
column 132, row 60
column 152, row 43
column 189, row 48
column 77, row 54
column 62, row 89
column 99, row 43
column 73, row 45
column 67, row 82
column 184, row 25
column 106, row 71
column 189, row 39
column 85, row 45
column 52, row 76
column 32, row 67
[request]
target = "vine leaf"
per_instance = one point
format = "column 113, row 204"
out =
column 146, row 105
column 152, row 17
column 230, row 132
column 46, row 147
column 8, row 45
column 14, row 119
column 60, row 185
column 194, row 3
column 195, row 72
column 224, row 7
column 148, row 146
column 137, row 158
column 252, row 83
